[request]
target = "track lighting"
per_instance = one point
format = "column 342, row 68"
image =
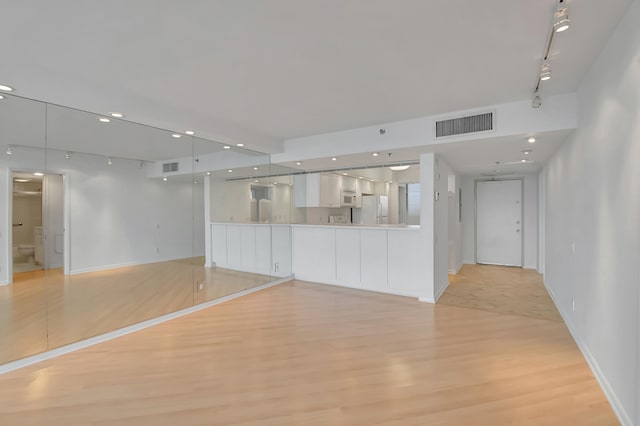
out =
column 561, row 20
column 545, row 72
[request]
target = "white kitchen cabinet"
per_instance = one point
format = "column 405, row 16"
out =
column 219, row 235
column 373, row 252
column 349, row 184
column 281, row 247
column 403, row 261
column 348, row 256
column 234, row 250
column 317, row 190
column 365, row 187
column 314, row 253
column 262, row 249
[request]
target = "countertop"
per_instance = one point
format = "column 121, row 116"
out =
column 328, row 225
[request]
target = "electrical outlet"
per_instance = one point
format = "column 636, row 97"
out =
column 276, row 266
column 201, row 286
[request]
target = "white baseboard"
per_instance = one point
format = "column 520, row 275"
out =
column 4, row 282
column 123, row 265
column 339, row 284
column 623, row 416
column 458, row 267
column 443, row 287
column 24, row 362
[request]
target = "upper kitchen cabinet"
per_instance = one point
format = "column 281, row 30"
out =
column 317, row 190
column 365, row 187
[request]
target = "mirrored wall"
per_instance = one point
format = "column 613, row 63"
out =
column 105, row 223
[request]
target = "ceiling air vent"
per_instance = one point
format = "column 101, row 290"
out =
column 169, row 167
column 462, row 125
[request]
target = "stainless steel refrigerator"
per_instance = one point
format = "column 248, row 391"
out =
column 374, row 210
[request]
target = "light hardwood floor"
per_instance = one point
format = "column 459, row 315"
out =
column 309, row 354
column 44, row 309
column 503, row 289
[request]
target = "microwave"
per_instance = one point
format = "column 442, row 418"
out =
column 347, row 199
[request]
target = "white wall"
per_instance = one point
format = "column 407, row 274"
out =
column 117, row 215
column 593, row 202
column 441, row 243
column 530, row 225
column 455, row 225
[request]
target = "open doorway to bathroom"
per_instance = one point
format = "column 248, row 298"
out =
column 37, row 222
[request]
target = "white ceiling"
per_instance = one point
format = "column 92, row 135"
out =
column 263, row 71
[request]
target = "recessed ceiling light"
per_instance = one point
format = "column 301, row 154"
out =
column 344, row 174
column 375, row 154
column 67, row 155
column 527, row 151
column 275, row 183
column 109, row 161
column 165, row 178
column 561, row 20
column 226, row 147
column 116, row 114
column 189, row 132
column 176, row 135
column 256, row 181
column 208, row 173
column 22, row 180
column 399, row 168
column 196, row 182
column 298, row 163
column 1, row 97
column 6, row 88
column 9, row 151
column 38, row 174
column 334, row 158
column 255, row 168
column 531, row 140
column 240, row 144
column 359, row 177
column 230, row 171
column 103, row 119
column 523, row 161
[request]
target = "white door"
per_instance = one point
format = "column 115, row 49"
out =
column 499, row 222
column 53, row 221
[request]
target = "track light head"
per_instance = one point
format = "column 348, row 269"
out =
column 561, row 20
column 536, row 102
column 545, row 72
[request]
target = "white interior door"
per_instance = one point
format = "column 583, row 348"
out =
column 53, row 221
column 499, row 222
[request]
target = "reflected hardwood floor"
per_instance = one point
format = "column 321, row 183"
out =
column 502, row 289
column 308, row 354
column 45, row 309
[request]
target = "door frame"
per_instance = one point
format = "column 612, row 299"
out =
column 9, row 218
column 475, row 215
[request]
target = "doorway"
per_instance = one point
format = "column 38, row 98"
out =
column 37, row 237
column 499, row 217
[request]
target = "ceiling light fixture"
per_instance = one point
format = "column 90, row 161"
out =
column 67, row 155
column 176, row 135
column 531, row 140
column 359, row 177
column 561, row 20
column 116, row 114
column 229, row 171
column 226, row 147
column 240, row 145
column 6, row 88
column 103, row 119
column 545, row 72
column 298, row 163
column 208, row 173
column 334, row 158
column 189, row 132
column 375, row 154
column 344, row 174
column 109, row 161
column 9, row 151
column 196, row 182
column 164, row 178
column 38, row 174
column 1, row 97
column 527, row 151
column 399, row 168
column 256, row 181
column 21, row 180
column 255, row 168
column 523, row 161
column 536, row 102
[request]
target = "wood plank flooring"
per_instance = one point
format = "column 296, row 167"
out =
column 45, row 309
column 309, row 354
column 503, row 289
